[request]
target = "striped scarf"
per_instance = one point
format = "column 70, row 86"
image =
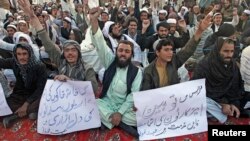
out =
column 31, row 63
column 77, row 71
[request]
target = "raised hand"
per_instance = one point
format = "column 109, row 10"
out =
column 26, row 7
column 216, row 8
column 182, row 23
column 85, row 2
column 235, row 11
column 94, row 13
column 131, row 11
column 205, row 23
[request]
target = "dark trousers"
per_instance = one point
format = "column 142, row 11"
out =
column 15, row 101
column 245, row 99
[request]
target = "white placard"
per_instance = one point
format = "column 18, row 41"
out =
column 171, row 111
column 67, row 107
column 4, row 107
column 247, row 105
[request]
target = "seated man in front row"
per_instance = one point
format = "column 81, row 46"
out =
column 163, row 70
column 30, row 76
column 121, row 78
column 224, row 86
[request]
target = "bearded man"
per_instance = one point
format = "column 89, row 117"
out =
column 224, row 87
column 121, row 78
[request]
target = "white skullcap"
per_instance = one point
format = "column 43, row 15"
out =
column 215, row 14
column 156, row 43
column 67, row 19
column 247, row 11
column 22, row 21
column 105, row 10
column 106, row 4
column 144, row 9
column 106, row 27
column 19, row 17
column 44, row 13
column 163, row 12
column 171, row 21
column 12, row 26
column 185, row 8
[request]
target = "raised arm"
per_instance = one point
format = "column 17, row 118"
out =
column 191, row 45
column 54, row 53
column 104, row 52
column 6, row 46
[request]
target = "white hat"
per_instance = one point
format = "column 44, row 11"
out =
column 185, row 8
column 247, row 11
column 106, row 27
column 217, row 13
column 19, row 17
column 156, row 43
column 67, row 19
column 106, row 4
column 12, row 26
column 144, row 9
column 44, row 13
column 105, row 10
column 171, row 21
column 22, row 21
column 163, row 12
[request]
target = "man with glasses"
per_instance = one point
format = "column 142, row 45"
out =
column 69, row 60
column 223, row 80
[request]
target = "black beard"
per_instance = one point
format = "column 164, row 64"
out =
column 122, row 64
column 117, row 36
column 161, row 19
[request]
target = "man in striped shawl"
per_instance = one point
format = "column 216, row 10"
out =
column 30, row 76
column 69, row 60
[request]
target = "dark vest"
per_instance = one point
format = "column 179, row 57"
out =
column 110, row 73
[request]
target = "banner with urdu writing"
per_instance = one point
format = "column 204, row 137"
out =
column 171, row 111
column 67, row 107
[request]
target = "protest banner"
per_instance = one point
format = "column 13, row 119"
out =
column 67, row 107
column 4, row 107
column 171, row 111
